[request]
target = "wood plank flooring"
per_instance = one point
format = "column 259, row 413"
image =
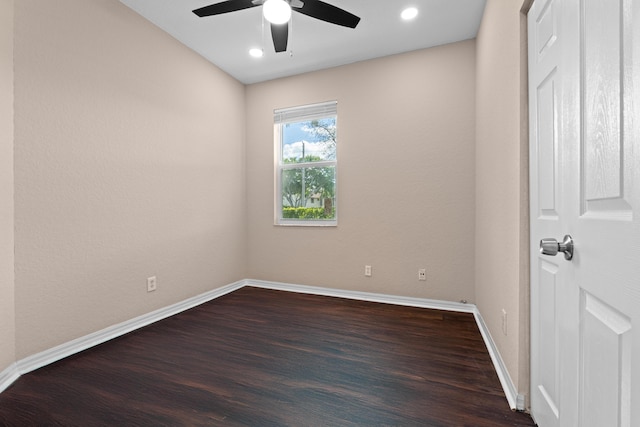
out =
column 260, row 357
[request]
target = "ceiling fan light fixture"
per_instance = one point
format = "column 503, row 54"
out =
column 276, row 11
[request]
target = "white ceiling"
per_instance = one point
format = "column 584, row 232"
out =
column 225, row 39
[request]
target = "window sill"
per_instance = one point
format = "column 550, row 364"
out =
column 285, row 223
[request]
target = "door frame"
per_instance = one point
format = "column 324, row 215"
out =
column 525, row 219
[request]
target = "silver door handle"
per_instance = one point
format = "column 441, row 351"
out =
column 551, row 247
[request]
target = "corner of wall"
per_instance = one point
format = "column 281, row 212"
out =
column 501, row 185
column 7, row 276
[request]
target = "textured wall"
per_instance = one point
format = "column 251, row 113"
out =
column 129, row 162
column 406, row 155
column 501, row 182
column 7, row 325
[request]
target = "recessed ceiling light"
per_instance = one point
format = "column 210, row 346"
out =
column 256, row 53
column 409, row 13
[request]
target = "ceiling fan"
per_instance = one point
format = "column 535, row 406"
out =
column 278, row 13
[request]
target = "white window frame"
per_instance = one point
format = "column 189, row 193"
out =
column 298, row 114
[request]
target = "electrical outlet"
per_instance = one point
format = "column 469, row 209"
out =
column 151, row 284
column 504, row 321
column 367, row 270
column 422, row 274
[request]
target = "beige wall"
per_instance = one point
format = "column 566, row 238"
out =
column 406, row 177
column 129, row 162
column 501, row 185
column 7, row 317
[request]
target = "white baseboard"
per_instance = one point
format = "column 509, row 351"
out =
column 28, row 364
column 516, row 401
column 364, row 296
column 8, row 376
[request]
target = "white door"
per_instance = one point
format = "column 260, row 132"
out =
column 584, row 87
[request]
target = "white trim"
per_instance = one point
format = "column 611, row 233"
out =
column 521, row 402
column 364, row 296
column 28, row 364
column 305, row 112
column 516, row 401
column 324, row 110
column 8, row 376
column 54, row 354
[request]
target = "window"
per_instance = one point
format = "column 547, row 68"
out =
column 305, row 145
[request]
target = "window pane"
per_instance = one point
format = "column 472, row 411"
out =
column 292, row 188
column 309, row 193
column 309, row 141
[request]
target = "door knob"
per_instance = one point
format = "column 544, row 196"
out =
column 551, row 247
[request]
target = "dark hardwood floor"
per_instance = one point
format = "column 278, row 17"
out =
column 259, row 357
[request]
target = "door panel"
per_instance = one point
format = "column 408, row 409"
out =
column 603, row 74
column 547, row 167
column 606, row 364
column 546, row 28
column 548, row 337
column 602, row 84
column 584, row 91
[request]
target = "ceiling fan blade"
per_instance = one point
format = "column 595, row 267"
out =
column 224, row 7
column 329, row 13
column 280, row 35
